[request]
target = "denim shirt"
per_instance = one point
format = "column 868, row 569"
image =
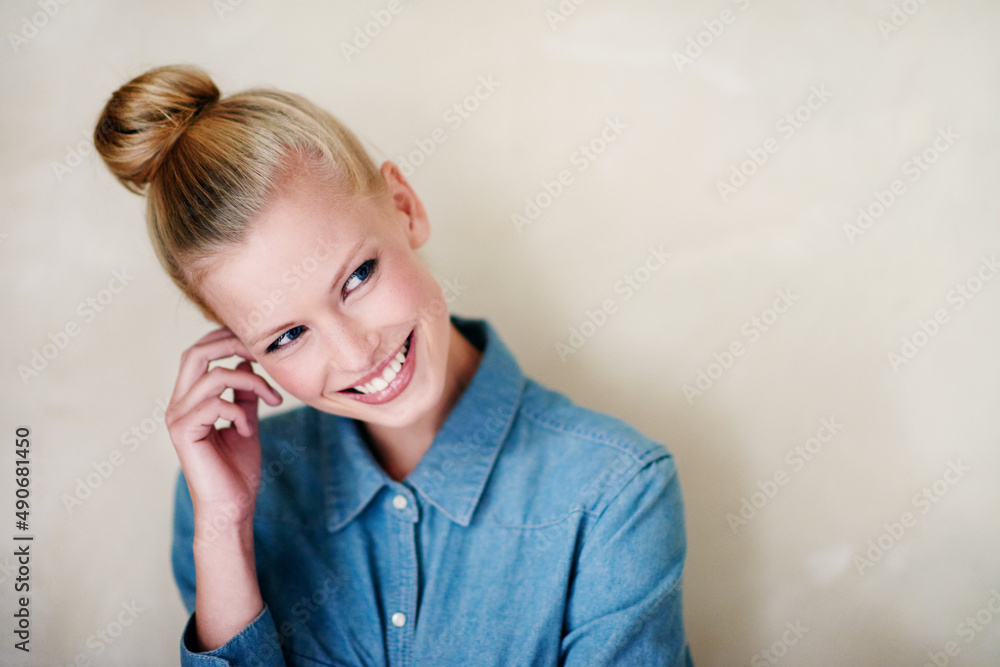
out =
column 533, row 531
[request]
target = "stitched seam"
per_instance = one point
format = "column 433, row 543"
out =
column 597, row 437
column 535, row 526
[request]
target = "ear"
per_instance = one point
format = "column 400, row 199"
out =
column 405, row 205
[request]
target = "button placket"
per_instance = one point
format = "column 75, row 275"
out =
column 400, row 606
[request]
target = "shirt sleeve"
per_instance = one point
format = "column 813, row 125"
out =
column 625, row 602
column 257, row 644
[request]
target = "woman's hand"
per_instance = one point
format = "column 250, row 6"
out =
column 222, row 469
column 221, row 465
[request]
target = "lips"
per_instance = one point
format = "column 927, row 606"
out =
column 396, row 385
column 385, row 374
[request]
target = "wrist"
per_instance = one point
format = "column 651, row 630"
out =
column 226, row 513
column 220, row 528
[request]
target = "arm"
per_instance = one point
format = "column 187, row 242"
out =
column 224, row 563
column 216, row 496
column 625, row 602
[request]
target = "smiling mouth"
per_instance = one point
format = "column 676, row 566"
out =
column 386, row 375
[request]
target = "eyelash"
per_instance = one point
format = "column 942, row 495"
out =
column 370, row 264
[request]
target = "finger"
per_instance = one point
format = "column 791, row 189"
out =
column 218, row 379
column 243, row 397
column 246, row 399
column 196, row 359
column 214, row 334
column 246, row 367
column 194, row 427
column 242, row 348
column 223, row 409
column 197, row 424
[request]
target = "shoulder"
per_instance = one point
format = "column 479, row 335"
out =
column 561, row 457
column 545, row 409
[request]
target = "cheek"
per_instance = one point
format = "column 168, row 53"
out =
column 411, row 291
column 299, row 378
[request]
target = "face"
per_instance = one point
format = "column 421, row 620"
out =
column 329, row 295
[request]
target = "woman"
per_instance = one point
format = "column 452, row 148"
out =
column 428, row 505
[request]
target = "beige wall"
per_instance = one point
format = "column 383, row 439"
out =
column 878, row 98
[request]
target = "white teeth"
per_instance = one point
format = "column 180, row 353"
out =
column 388, row 373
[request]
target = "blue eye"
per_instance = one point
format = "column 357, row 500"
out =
column 291, row 335
column 361, row 275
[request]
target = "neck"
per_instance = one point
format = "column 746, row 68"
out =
column 399, row 450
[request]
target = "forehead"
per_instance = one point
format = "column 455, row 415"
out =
column 307, row 230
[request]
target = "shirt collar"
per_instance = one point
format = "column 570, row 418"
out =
column 453, row 471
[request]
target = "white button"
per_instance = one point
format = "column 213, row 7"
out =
column 399, row 502
column 399, row 618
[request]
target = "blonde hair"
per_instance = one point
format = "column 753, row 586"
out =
column 208, row 166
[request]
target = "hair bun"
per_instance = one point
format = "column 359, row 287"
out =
column 145, row 117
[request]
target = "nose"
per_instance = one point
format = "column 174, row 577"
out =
column 353, row 347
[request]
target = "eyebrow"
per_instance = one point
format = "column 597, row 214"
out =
column 337, row 280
